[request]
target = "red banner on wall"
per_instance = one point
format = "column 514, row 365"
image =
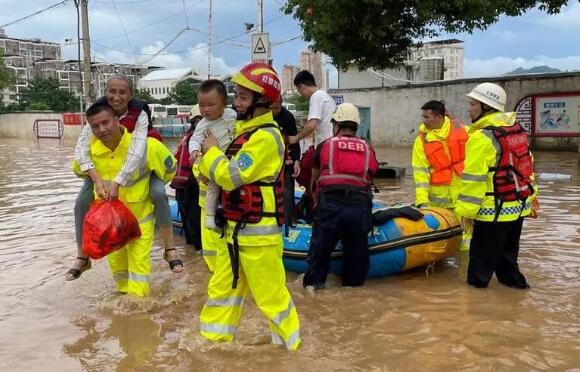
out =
column 71, row 118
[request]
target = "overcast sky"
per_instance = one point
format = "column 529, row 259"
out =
column 526, row 41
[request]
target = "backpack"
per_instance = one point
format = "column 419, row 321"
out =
column 512, row 178
column 184, row 165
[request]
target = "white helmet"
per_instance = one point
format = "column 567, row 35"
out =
column 491, row 94
column 346, row 112
column 195, row 111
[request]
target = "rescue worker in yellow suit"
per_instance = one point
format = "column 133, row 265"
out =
column 497, row 188
column 438, row 155
column 130, row 265
column 250, row 175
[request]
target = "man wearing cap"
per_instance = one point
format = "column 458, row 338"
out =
column 342, row 175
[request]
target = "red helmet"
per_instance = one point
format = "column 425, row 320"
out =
column 260, row 78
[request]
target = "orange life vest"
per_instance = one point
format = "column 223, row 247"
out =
column 446, row 158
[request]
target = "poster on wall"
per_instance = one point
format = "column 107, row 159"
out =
column 557, row 115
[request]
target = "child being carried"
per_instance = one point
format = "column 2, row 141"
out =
column 220, row 121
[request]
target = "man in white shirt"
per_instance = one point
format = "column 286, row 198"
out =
column 320, row 112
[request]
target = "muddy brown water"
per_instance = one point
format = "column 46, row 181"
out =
column 405, row 322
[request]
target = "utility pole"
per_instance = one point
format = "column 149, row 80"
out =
column 260, row 15
column 86, row 51
column 209, row 29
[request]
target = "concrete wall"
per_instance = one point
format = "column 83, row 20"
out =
column 395, row 112
column 19, row 125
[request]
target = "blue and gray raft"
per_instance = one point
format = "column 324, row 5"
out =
column 396, row 244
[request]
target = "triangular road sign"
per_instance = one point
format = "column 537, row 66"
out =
column 259, row 48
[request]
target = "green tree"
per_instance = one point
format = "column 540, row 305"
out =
column 47, row 91
column 184, row 93
column 37, row 106
column 379, row 33
column 301, row 103
column 6, row 74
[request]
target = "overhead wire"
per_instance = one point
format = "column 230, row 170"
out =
column 35, row 13
column 124, row 29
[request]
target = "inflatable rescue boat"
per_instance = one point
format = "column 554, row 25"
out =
column 399, row 241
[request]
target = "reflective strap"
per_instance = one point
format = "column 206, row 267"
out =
column 437, row 200
column 367, row 160
column 279, row 143
column 214, row 165
column 121, row 275
column 276, row 339
column 250, row 230
column 279, row 318
column 228, row 301
column 143, row 173
column 331, row 155
column 143, row 278
column 497, row 146
column 469, row 199
column 205, row 252
column 234, row 172
column 473, row 177
column 148, row 218
column 220, row 329
column 292, row 340
column 421, row 169
column 424, row 185
column 342, row 176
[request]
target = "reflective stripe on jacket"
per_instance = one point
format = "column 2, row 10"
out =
column 482, row 153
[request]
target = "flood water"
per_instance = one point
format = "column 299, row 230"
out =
column 401, row 323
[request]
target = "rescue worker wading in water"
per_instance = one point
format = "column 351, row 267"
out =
column 249, row 174
column 438, row 155
column 497, row 188
column 343, row 171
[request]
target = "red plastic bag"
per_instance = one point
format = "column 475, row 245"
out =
column 109, row 225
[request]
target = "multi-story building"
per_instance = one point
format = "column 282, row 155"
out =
column 288, row 73
column 35, row 59
column 449, row 50
column 19, row 56
column 431, row 61
column 312, row 61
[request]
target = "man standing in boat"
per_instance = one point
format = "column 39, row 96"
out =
column 342, row 176
column 438, row 154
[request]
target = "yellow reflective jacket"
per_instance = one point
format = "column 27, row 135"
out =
column 481, row 154
column 443, row 196
column 135, row 195
column 260, row 159
column 202, row 185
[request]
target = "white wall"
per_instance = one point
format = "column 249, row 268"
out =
column 157, row 88
column 19, row 125
column 396, row 113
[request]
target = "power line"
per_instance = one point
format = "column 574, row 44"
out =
column 121, row 3
column 152, row 23
column 33, row 14
column 123, row 27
